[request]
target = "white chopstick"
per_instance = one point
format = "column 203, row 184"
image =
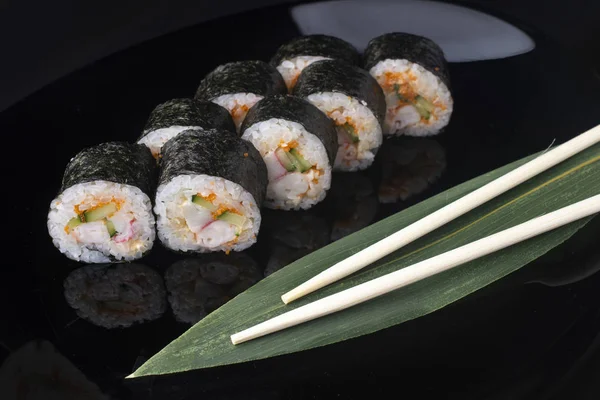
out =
column 421, row 270
column 445, row 214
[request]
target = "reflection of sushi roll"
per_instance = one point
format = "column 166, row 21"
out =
column 103, row 212
column 414, row 76
column 211, row 186
column 171, row 118
column 356, row 104
column 198, row 286
column 293, row 235
column 410, row 165
column 298, row 230
column 298, row 144
column 117, row 295
column 38, row 371
column 281, row 256
column 291, row 58
column 237, row 86
column 355, row 204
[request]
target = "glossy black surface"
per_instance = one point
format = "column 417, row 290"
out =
column 534, row 334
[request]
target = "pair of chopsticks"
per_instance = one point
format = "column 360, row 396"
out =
column 442, row 262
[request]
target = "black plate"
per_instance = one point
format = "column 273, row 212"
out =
column 515, row 339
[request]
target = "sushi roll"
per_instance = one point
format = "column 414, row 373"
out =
column 237, row 86
column 103, row 212
column 298, row 144
column 198, row 286
column 291, row 58
column 413, row 73
column 117, row 295
column 409, row 166
column 356, row 104
column 175, row 116
column 211, row 186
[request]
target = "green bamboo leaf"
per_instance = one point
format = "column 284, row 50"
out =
column 207, row 343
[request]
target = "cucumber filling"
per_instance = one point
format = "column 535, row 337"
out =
column 100, row 214
column 200, row 219
column 351, row 132
column 202, row 202
column 292, row 160
column 423, row 106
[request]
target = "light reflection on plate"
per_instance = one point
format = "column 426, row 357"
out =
column 463, row 33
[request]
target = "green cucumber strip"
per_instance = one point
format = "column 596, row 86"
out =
column 398, row 94
column 202, row 202
column 100, row 212
column 285, row 159
column 304, row 165
column 233, row 218
column 349, row 129
column 73, row 223
column 423, row 102
column 422, row 111
column 110, row 227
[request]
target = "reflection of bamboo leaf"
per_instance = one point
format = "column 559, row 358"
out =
column 207, row 344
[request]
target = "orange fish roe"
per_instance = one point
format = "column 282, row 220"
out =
column 223, row 209
column 289, row 145
column 211, row 197
column 245, row 154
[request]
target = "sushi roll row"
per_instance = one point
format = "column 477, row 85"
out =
column 254, row 134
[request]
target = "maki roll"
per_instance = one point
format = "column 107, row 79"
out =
column 291, row 58
column 113, row 296
column 198, row 286
column 237, row 86
column 409, row 166
column 171, row 118
column 298, row 144
column 211, row 186
column 356, row 104
column 103, row 212
column 413, row 73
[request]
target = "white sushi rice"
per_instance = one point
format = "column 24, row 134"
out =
column 290, row 69
column 135, row 204
column 291, row 190
column 345, row 109
column 238, row 105
column 406, row 120
column 172, row 225
column 155, row 139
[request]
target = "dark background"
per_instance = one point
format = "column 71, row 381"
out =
column 43, row 41
column 513, row 340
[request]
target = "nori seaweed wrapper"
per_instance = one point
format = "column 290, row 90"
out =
column 337, row 76
column 256, row 77
column 416, row 49
column 118, row 162
column 189, row 112
column 295, row 109
column 317, row 45
column 215, row 153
